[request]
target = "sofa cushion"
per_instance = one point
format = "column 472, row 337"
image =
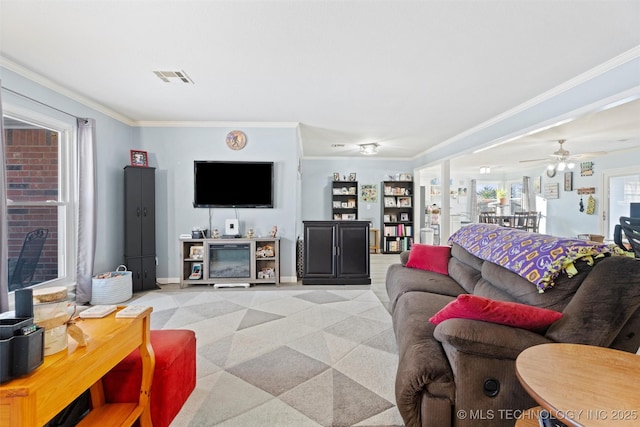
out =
column 605, row 302
column 401, row 280
column 503, row 312
column 430, row 257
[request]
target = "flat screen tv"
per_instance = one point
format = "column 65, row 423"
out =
column 224, row 184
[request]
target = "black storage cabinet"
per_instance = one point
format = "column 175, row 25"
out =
column 336, row 253
column 140, row 226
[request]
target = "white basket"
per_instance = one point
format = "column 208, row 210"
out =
column 112, row 290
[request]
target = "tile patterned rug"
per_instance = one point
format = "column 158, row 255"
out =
column 285, row 357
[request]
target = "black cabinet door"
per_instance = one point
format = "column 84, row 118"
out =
column 320, row 250
column 140, row 226
column 336, row 252
column 353, row 244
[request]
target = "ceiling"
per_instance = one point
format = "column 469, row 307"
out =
column 407, row 75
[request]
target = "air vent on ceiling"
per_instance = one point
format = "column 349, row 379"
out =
column 173, row 76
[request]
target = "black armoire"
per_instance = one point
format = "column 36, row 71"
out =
column 336, row 252
column 140, row 226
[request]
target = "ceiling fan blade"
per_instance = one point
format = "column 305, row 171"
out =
column 534, row 160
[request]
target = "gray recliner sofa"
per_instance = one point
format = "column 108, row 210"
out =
column 462, row 372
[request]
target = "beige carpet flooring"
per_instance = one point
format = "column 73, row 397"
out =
column 291, row 355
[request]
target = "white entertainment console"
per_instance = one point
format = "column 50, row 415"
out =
column 230, row 262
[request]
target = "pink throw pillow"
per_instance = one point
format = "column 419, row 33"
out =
column 430, row 258
column 524, row 316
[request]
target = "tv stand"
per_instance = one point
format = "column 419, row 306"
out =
column 235, row 261
column 231, row 236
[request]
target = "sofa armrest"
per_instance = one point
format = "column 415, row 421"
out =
column 486, row 339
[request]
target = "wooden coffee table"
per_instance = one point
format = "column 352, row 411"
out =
column 583, row 385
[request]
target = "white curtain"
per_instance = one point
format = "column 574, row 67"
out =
column 4, row 245
column 87, row 199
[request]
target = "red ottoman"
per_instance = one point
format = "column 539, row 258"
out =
column 174, row 377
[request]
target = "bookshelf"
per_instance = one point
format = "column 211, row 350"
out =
column 397, row 216
column 344, row 200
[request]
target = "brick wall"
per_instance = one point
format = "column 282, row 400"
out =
column 32, row 176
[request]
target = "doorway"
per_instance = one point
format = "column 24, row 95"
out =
column 621, row 187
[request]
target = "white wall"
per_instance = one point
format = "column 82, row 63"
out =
column 317, row 175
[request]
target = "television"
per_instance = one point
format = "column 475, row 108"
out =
column 228, row 184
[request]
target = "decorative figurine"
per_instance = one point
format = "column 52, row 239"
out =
column 216, row 233
column 274, row 231
column 250, row 233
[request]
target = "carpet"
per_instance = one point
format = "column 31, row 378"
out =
column 284, row 357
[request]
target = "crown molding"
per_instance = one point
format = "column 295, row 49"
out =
column 216, row 124
column 630, row 55
column 64, row 91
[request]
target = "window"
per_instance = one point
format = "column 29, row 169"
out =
column 39, row 169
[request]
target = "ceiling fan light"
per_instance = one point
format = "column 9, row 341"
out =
column 571, row 165
column 551, row 167
column 561, row 166
column 368, row 149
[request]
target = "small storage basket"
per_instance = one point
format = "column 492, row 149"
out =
column 111, row 288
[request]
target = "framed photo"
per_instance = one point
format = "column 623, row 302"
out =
column 196, row 271
column 406, row 177
column 196, row 252
column 389, row 202
column 337, row 204
column 336, row 176
column 139, row 158
column 387, row 218
column 404, row 202
column 352, row 176
column 568, row 181
column 404, row 216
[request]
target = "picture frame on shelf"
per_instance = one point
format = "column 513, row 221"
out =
column 394, row 218
column 404, row 216
column 387, row 218
column 196, row 252
column 337, row 204
column 404, row 202
column 389, row 202
column 196, row 271
column 139, row 158
column 352, row 176
column 336, row 176
column 406, row 177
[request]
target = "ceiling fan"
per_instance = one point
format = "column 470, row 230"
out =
column 562, row 159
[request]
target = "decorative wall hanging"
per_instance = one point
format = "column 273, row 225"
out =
column 551, row 190
column 591, row 205
column 568, row 181
column 586, row 168
column 236, row 140
column 369, row 193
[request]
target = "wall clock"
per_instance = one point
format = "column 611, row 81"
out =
column 551, row 172
column 236, row 140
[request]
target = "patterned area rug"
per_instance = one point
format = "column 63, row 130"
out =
column 285, row 357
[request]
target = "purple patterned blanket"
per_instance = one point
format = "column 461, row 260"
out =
column 539, row 258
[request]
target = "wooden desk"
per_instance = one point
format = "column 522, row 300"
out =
column 583, row 385
column 35, row 399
